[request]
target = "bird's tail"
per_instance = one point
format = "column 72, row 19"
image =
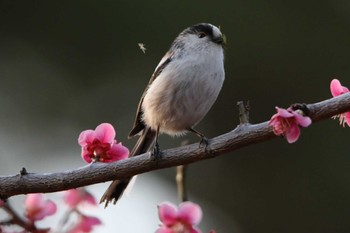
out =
column 117, row 187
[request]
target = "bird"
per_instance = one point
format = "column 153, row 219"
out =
column 181, row 91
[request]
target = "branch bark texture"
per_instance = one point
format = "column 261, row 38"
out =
column 243, row 135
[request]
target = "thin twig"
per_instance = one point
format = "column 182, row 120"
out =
column 243, row 112
column 181, row 182
column 17, row 220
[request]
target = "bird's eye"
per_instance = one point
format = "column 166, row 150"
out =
column 201, row 34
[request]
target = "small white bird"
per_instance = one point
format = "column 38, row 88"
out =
column 182, row 89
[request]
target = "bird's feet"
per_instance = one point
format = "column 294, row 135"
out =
column 156, row 154
column 204, row 142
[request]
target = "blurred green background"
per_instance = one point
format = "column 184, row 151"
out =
column 66, row 66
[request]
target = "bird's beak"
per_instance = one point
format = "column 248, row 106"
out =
column 220, row 39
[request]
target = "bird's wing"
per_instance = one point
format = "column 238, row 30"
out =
column 138, row 124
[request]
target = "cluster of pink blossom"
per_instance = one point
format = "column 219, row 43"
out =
column 182, row 219
column 74, row 198
column 37, row 208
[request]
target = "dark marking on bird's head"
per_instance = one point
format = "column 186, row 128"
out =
column 206, row 30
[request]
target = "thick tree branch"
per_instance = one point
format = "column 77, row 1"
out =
column 244, row 135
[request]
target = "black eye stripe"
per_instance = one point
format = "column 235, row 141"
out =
column 201, row 30
column 206, row 29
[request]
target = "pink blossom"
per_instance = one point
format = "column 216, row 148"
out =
column 336, row 90
column 100, row 145
column 85, row 224
column 37, row 208
column 1, row 204
column 179, row 220
column 286, row 122
column 74, row 197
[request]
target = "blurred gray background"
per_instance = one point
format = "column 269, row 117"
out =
column 67, row 66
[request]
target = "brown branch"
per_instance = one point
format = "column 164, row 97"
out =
column 244, row 135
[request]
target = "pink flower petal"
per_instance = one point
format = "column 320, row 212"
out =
column 37, row 208
column 90, row 222
column 337, row 88
column 118, row 152
column 49, row 208
column 293, row 134
column 275, row 119
column 276, row 124
column 85, row 224
column 167, row 213
column 303, row 121
column 347, row 118
column 33, row 200
column 89, row 198
column 105, row 133
column 190, row 213
column 86, row 137
column 86, row 155
column 284, row 112
column 74, row 197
